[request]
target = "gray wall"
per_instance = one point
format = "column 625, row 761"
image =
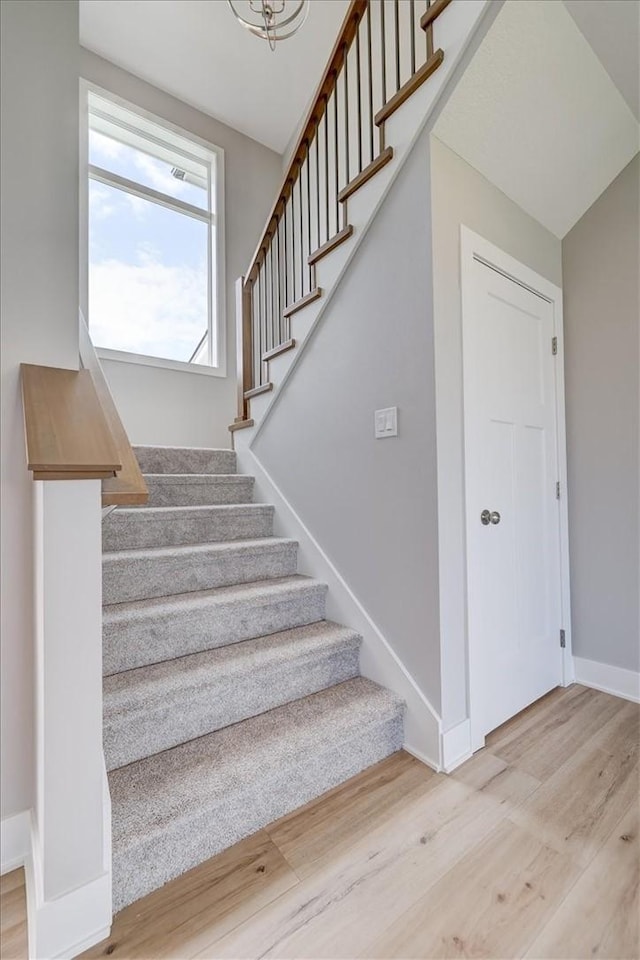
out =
column 165, row 406
column 601, row 266
column 39, row 314
column 371, row 503
column 461, row 195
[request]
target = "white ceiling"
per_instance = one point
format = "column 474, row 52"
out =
column 613, row 30
column 539, row 116
column 197, row 51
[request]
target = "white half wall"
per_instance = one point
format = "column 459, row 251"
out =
column 175, row 407
column 371, row 504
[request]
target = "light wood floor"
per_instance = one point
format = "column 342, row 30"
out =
column 530, row 849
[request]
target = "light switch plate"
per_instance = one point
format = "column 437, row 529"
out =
column 386, row 423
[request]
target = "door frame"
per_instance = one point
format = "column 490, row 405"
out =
column 473, row 247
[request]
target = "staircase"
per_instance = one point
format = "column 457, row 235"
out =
column 229, row 700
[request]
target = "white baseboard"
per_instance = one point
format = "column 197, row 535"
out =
column 602, row 676
column 378, row 661
column 15, row 842
column 422, row 757
column 456, row 746
column 63, row 928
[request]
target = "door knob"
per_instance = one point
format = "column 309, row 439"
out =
column 489, row 516
column 494, row 517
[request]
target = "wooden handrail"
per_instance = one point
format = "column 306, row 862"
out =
column 128, row 488
column 67, row 435
column 323, row 92
column 73, row 430
column 376, row 64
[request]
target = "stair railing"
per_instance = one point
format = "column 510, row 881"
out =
column 384, row 52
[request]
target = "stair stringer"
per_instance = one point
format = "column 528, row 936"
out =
column 378, row 661
column 462, row 22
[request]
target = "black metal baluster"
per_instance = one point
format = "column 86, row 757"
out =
column 346, row 118
column 301, row 231
column 359, row 96
column 294, row 292
column 309, row 211
column 396, row 20
column 286, row 259
column 335, row 148
column 326, row 164
column 317, row 138
column 370, row 80
column 383, row 53
column 279, row 269
column 412, row 27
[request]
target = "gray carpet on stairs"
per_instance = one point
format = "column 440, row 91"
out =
column 156, row 707
column 197, row 490
column 176, row 809
column 143, row 574
column 148, row 631
column 229, row 700
column 135, row 529
column 185, row 460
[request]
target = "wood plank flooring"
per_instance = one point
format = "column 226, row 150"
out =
column 530, row 849
column 13, row 916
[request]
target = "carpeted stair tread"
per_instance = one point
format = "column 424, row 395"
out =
column 161, row 571
column 198, row 489
column 154, row 459
column 153, row 708
column 177, row 808
column 149, row 631
column 136, row 528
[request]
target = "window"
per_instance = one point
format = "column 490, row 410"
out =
column 154, row 264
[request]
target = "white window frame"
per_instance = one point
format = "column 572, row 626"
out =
column 215, row 217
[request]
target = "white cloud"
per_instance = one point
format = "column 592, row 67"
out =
column 139, row 207
column 101, row 205
column 110, row 149
column 159, row 176
column 147, row 307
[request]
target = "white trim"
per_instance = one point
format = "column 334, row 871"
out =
column 62, row 928
column 473, row 247
column 15, row 832
column 422, row 757
column 379, row 662
column 603, row 676
column 456, row 746
column 104, row 353
column 216, row 231
column 109, row 179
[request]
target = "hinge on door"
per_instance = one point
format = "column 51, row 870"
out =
column 563, row 639
column 557, row 490
column 554, row 346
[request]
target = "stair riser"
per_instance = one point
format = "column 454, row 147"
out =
column 136, row 643
column 186, row 842
column 140, row 531
column 184, row 494
column 184, row 460
column 147, row 577
column 197, row 709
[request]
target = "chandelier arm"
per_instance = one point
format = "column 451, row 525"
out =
column 272, row 32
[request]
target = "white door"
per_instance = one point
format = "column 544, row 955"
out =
column 512, row 515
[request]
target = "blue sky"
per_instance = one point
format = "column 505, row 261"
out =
column 147, row 264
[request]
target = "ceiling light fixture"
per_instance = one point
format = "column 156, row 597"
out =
column 271, row 20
